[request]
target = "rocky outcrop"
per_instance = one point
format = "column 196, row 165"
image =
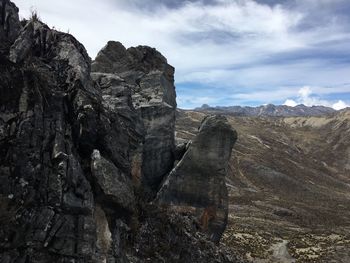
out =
column 197, row 183
column 9, row 24
column 176, row 238
column 145, row 73
column 78, row 149
column 51, row 120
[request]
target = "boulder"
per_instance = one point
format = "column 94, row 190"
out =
column 116, row 187
column 197, row 183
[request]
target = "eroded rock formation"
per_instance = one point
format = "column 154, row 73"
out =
column 76, row 149
column 197, row 183
column 144, row 73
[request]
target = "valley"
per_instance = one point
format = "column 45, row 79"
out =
column 289, row 186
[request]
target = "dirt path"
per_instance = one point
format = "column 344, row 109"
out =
column 280, row 252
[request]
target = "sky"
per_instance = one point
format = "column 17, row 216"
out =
column 225, row 52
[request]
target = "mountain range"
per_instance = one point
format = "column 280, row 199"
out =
column 268, row 110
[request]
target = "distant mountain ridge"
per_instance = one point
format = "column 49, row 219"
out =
column 269, row 110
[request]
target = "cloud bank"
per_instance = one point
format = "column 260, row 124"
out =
column 306, row 97
column 225, row 52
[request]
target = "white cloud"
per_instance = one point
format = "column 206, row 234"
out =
column 291, row 103
column 305, row 92
column 188, row 36
column 241, row 44
column 340, row 105
column 306, row 97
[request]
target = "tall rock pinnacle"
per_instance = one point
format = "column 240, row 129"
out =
column 197, row 183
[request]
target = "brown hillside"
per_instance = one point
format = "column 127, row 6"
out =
column 289, row 186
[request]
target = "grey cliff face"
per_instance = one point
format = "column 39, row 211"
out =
column 146, row 73
column 77, row 149
column 197, row 183
column 51, row 120
column 9, row 24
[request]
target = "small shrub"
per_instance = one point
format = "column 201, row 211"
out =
column 34, row 15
